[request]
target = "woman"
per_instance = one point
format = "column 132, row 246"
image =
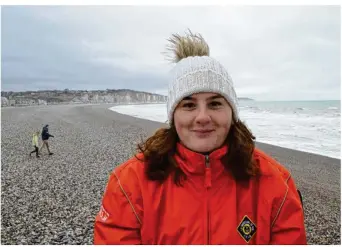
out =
column 200, row 181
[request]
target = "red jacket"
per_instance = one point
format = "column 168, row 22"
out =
column 210, row 208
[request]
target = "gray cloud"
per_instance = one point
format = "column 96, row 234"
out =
column 272, row 53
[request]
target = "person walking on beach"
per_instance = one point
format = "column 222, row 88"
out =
column 35, row 143
column 45, row 137
column 201, row 180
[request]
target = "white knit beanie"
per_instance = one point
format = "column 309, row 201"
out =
column 195, row 73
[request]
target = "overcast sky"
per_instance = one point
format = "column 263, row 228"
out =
column 272, row 53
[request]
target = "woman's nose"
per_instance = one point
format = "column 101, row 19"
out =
column 203, row 117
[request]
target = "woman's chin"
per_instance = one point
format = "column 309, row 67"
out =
column 202, row 148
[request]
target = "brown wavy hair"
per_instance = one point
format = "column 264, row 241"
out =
column 159, row 150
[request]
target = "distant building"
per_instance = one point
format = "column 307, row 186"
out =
column 12, row 102
column 4, row 101
column 42, row 102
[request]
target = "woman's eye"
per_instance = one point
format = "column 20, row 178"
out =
column 215, row 104
column 188, row 105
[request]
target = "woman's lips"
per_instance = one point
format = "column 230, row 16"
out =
column 202, row 133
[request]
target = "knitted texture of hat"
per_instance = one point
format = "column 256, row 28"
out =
column 199, row 74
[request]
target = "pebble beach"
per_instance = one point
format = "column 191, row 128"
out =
column 54, row 199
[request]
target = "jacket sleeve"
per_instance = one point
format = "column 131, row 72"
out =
column 117, row 221
column 288, row 226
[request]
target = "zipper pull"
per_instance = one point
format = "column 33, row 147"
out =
column 207, row 179
column 207, row 163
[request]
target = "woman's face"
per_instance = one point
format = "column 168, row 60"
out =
column 203, row 121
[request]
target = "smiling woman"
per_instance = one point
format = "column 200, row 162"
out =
column 203, row 121
column 201, row 180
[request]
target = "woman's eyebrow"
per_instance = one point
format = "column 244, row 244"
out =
column 215, row 97
column 210, row 98
column 188, row 98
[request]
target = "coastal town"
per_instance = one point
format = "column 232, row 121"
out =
column 55, row 97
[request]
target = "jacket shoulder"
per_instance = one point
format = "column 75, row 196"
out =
column 133, row 164
column 269, row 167
column 130, row 173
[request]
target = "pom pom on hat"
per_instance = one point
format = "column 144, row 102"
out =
column 187, row 46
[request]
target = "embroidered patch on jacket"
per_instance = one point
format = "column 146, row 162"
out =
column 247, row 229
column 103, row 214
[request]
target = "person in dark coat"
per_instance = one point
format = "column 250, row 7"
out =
column 45, row 137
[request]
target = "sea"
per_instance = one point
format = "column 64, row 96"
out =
column 310, row 126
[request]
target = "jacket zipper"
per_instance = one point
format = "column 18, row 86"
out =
column 207, row 186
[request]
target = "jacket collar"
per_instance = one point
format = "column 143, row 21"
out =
column 195, row 163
